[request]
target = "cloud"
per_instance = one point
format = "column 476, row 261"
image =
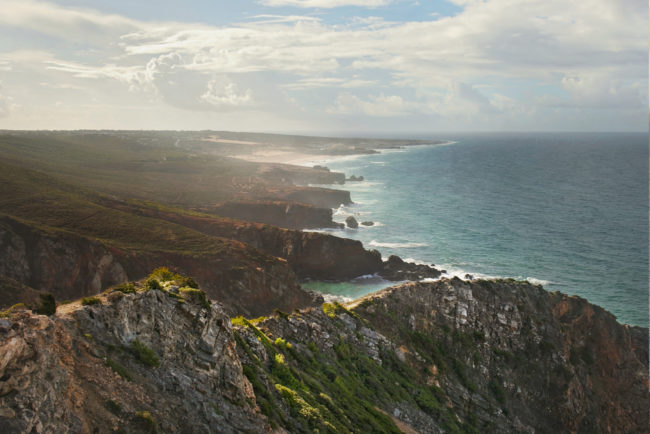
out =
column 5, row 104
column 588, row 54
column 222, row 94
column 328, row 82
column 376, row 105
column 326, row 3
column 64, row 23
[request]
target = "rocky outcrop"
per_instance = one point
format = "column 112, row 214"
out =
column 446, row 356
column 288, row 215
column 318, row 197
column 351, row 222
column 279, row 173
column 309, row 254
column 396, row 269
column 136, row 363
column 512, row 355
column 247, row 280
column 65, row 264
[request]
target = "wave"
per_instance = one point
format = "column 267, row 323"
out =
column 536, row 281
column 376, row 243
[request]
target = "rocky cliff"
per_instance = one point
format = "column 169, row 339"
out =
column 247, row 280
column 311, row 255
column 447, row 356
column 282, row 214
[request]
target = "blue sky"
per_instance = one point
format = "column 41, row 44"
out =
column 325, row 66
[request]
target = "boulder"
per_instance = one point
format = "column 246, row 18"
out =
column 367, row 223
column 351, row 222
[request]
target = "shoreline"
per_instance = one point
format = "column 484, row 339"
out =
column 449, row 271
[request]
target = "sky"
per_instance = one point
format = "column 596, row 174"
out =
column 374, row 67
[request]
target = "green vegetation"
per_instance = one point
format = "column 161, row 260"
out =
column 336, row 308
column 152, row 283
column 119, row 369
column 337, row 395
column 195, row 294
column 7, row 312
column 144, row 354
column 126, row 288
column 146, row 421
column 113, row 407
column 497, row 391
column 89, row 301
column 47, row 305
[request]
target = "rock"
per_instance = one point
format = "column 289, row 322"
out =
column 351, row 222
column 469, row 277
column 355, row 178
column 61, row 380
column 396, row 269
column 290, row 215
column 501, row 354
column 368, row 223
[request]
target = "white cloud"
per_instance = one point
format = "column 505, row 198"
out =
column 376, row 105
column 222, row 94
column 64, row 23
column 326, row 3
column 592, row 51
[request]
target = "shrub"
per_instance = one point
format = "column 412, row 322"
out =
column 146, row 421
column 113, row 406
column 163, row 273
column 47, row 304
column 196, row 294
column 126, row 288
column 144, row 354
column 152, row 283
column 187, row 281
column 118, row 369
column 89, row 301
column 279, row 342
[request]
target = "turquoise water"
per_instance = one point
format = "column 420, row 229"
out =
column 569, row 211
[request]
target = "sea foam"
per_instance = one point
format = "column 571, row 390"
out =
column 376, row 243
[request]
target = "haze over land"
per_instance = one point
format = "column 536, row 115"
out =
column 327, row 67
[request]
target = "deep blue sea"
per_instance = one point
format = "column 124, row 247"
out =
column 567, row 210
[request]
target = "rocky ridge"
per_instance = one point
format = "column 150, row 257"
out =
column 446, row 356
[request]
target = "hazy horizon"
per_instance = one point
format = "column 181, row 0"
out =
column 319, row 67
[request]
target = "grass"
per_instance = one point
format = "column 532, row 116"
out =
column 126, row 288
column 90, row 301
column 7, row 312
column 338, row 394
column 118, row 369
column 144, row 354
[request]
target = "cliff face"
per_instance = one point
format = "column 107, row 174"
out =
column 65, row 264
column 309, row 254
column 247, row 280
column 61, row 374
column 447, row 356
column 546, row 362
column 283, row 214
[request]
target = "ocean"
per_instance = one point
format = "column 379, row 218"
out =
column 565, row 210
